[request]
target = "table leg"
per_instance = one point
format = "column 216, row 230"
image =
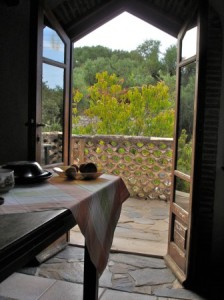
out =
column 91, row 281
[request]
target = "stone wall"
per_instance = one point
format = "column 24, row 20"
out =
column 143, row 163
column 52, row 147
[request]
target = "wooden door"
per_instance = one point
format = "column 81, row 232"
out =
column 185, row 140
column 49, row 121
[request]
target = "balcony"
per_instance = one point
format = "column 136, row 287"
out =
column 144, row 163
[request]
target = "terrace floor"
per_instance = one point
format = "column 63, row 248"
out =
column 142, row 228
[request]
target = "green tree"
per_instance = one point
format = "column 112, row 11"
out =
column 184, row 153
column 52, row 108
column 77, row 97
column 187, row 96
column 184, row 158
column 149, row 50
column 82, row 54
column 169, row 61
column 113, row 109
column 92, row 67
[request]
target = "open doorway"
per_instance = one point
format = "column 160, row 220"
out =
column 148, row 66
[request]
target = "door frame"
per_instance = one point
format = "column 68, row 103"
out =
column 35, row 82
column 186, row 277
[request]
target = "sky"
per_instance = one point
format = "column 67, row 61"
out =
column 125, row 32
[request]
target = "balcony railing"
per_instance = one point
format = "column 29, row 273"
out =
column 144, row 163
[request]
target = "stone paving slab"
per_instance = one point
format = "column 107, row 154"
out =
column 148, row 276
column 142, row 228
column 126, row 276
column 109, row 295
column 131, row 234
column 138, row 261
column 138, row 246
column 177, row 293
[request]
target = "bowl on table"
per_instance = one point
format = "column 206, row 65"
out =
column 7, row 180
column 63, row 171
column 27, row 171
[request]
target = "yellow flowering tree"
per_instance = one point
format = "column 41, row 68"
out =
column 113, row 109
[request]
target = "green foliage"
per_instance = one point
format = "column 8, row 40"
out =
column 184, row 153
column 81, row 55
column 169, row 60
column 77, row 96
column 184, row 158
column 149, row 50
column 138, row 100
column 145, row 111
column 187, row 99
column 143, row 66
column 52, row 108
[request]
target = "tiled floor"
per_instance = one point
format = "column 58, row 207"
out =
column 142, row 229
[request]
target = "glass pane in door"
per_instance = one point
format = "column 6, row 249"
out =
column 189, row 43
column 185, row 135
column 182, row 193
column 53, row 46
column 185, row 119
column 52, row 114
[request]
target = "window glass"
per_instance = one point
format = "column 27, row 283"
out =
column 185, row 118
column 52, row 114
column 53, row 46
column 182, row 193
column 189, row 43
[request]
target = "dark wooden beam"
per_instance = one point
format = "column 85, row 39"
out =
column 154, row 16
column 51, row 4
column 12, row 2
column 95, row 19
column 141, row 9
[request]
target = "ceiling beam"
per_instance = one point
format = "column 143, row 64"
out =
column 140, row 8
column 12, row 2
column 95, row 19
column 51, row 4
column 155, row 16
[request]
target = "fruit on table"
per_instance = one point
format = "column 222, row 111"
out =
column 71, row 172
column 75, row 166
column 88, row 168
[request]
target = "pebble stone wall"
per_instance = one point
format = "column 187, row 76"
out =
column 143, row 163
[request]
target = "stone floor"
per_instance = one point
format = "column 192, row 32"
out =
column 143, row 230
column 127, row 277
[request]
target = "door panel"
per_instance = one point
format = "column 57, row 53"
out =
column 53, row 103
column 183, row 159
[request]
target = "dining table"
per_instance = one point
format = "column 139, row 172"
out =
column 35, row 215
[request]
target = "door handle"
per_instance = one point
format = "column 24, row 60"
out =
column 31, row 123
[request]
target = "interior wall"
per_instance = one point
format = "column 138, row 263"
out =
column 218, row 220
column 14, row 59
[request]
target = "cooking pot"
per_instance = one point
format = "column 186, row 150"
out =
column 27, row 171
